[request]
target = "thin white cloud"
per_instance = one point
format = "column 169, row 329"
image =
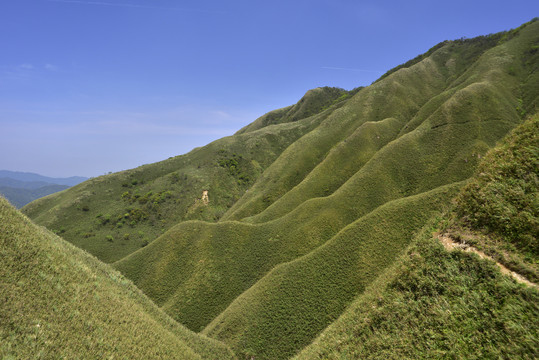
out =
column 51, row 67
column 221, row 113
column 26, row 67
column 350, row 69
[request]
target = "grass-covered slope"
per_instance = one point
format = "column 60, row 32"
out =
column 195, row 270
column 59, row 302
column 304, row 213
column 498, row 212
column 116, row 214
column 475, row 83
column 283, row 311
column 438, row 304
column 313, row 102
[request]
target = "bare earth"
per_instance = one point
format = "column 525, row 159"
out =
column 451, row 245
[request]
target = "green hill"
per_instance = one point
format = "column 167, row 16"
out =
column 438, row 304
column 310, row 206
column 60, row 302
column 113, row 215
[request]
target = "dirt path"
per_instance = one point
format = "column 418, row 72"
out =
column 451, row 244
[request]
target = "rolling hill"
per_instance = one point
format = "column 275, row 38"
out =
column 434, row 303
column 291, row 229
column 60, row 302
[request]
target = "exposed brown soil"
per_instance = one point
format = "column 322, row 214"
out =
column 450, row 245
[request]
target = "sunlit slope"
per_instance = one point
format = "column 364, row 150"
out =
column 443, row 88
column 283, row 311
column 438, row 304
column 456, row 76
column 315, row 101
column 195, row 270
column 498, row 211
column 116, row 214
column 435, row 304
column 59, row 302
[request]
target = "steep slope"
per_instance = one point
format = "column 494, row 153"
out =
column 449, row 84
column 498, row 212
column 116, row 214
column 313, row 102
column 196, row 270
column 284, row 310
column 59, row 302
column 451, row 304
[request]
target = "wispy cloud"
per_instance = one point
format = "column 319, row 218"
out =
column 350, row 69
column 130, row 5
column 26, row 66
column 51, row 67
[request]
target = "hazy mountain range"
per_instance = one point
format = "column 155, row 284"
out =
column 20, row 188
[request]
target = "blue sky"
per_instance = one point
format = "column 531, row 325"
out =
column 88, row 87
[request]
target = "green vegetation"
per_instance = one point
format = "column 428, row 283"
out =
column 504, row 197
column 314, row 102
column 435, row 304
column 265, row 238
column 498, row 211
column 59, row 302
column 152, row 198
column 288, row 307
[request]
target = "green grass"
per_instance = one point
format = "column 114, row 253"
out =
column 59, row 302
column 196, row 270
column 443, row 90
column 289, row 306
column 146, row 201
column 498, row 211
column 309, row 205
column 312, row 103
column 434, row 304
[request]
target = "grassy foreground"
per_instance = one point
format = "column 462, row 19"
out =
column 436, row 304
column 59, row 302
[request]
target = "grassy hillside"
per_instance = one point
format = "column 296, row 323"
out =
column 284, row 310
column 312, row 203
column 438, row 304
column 444, row 90
column 114, row 215
column 498, row 212
column 435, row 304
column 59, row 302
column 197, row 269
column 313, row 102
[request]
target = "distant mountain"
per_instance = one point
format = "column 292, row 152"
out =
column 19, row 197
column 21, row 188
column 32, row 177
